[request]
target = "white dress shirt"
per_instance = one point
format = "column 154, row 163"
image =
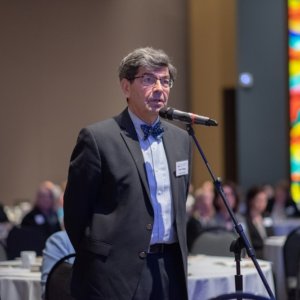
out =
column 156, row 166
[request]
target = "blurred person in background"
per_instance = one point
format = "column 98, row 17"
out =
column 222, row 217
column 190, row 200
column 43, row 215
column 202, row 215
column 256, row 203
column 5, row 224
column 269, row 189
column 208, row 187
column 3, row 216
column 58, row 245
column 281, row 205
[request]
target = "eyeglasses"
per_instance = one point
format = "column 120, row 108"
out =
column 150, row 80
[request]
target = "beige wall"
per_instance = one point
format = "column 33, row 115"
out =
column 58, row 72
column 212, row 52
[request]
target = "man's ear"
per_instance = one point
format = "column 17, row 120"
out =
column 125, row 86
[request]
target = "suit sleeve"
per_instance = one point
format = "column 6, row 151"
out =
column 83, row 185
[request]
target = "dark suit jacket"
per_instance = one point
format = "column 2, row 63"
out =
column 108, row 213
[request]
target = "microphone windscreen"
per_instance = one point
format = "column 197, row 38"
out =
column 166, row 113
column 163, row 112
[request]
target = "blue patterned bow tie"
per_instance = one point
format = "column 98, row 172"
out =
column 156, row 131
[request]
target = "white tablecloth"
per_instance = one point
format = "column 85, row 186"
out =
column 273, row 251
column 210, row 276
column 17, row 283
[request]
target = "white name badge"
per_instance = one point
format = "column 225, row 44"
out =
column 182, row 167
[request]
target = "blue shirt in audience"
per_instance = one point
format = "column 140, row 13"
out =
column 57, row 246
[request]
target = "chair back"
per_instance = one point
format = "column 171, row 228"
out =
column 58, row 284
column 215, row 242
column 291, row 257
column 239, row 296
column 23, row 239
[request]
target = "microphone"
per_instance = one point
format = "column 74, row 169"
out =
column 188, row 118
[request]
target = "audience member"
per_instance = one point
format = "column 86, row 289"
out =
column 3, row 216
column 282, row 206
column 222, row 216
column 5, row 224
column 190, row 200
column 43, row 215
column 269, row 189
column 208, row 187
column 57, row 246
column 202, row 215
column 15, row 212
column 256, row 203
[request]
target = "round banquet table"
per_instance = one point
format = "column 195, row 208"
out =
column 210, row 276
column 17, row 283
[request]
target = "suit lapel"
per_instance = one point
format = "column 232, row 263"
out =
column 171, row 157
column 129, row 135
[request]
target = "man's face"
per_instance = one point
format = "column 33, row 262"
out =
column 44, row 199
column 145, row 100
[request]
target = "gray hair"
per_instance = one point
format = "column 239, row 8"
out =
column 145, row 57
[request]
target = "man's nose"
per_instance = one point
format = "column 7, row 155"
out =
column 157, row 85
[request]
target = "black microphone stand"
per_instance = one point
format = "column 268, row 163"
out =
column 242, row 241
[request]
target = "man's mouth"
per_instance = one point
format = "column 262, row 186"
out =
column 157, row 101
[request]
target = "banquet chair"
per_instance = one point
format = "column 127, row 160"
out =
column 291, row 258
column 58, row 284
column 215, row 242
column 239, row 296
column 24, row 238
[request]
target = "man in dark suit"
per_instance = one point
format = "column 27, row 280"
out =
column 126, row 192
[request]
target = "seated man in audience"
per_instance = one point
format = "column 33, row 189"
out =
column 58, row 245
column 202, row 215
column 43, row 216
